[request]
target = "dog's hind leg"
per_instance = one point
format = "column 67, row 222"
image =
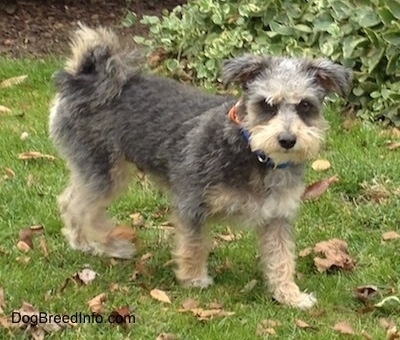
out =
column 278, row 260
column 191, row 253
column 83, row 209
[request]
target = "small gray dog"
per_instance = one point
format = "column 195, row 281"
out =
column 242, row 160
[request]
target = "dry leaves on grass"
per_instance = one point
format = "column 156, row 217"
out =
column 8, row 173
column 366, row 293
column 249, row 286
column 344, row 327
column 391, row 329
column 393, row 145
column 82, row 277
column 96, row 305
column 35, row 327
column 315, row 190
column 160, row 295
column 214, row 309
column 390, row 235
column 12, row 81
column 27, row 235
column 321, row 165
column 377, row 190
column 302, row 324
column 137, row 220
column 122, row 316
column 30, row 155
column 229, row 236
column 336, row 255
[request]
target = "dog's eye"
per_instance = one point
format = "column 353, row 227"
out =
column 304, row 107
column 268, row 108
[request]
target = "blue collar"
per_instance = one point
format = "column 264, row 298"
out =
column 263, row 157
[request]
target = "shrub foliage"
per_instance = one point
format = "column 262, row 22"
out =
column 192, row 40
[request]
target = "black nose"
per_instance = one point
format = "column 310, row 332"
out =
column 287, row 140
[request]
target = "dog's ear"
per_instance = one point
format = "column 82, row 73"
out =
column 243, row 69
column 332, row 77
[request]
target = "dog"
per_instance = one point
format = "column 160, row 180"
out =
column 240, row 160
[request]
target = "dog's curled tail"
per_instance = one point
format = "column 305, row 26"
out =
column 98, row 67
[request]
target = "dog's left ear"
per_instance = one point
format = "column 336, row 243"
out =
column 332, row 77
column 243, row 69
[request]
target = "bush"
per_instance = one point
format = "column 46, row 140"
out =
column 192, row 40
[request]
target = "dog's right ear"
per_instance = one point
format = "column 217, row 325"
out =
column 242, row 70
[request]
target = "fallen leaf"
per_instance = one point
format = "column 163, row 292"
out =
column 343, row 327
column 9, row 173
column 215, row 305
column 169, row 263
column 366, row 335
column 390, row 235
column 113, row 287
column 249, row 286
column 316, row 189
column 223, row 267
column 146, row 257
column 386, row 323
column 302, row 324
column 43, row 247
column 227, row 237
column 85, row 276
column 392, row 133
column 189, row 304
column 208, row 314
column 24, row 135
column 160, row 295
column 377, row 190
column 35, row 155
column 26, row 237
column 393, row 145
column 366, row 293
column 321, row 165
column 96, row 305
column 166, row 336
column 336, row 256
column 122, row 316
column 137, row 220
column 2, row 300
column 4, row 109
column 392, row 333
column 12, row 81
column 124, row 232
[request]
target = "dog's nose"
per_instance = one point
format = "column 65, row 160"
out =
column 287, row 140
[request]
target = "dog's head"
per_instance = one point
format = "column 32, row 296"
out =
column 282, row 102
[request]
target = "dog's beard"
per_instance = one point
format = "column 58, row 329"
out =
column 265, row 138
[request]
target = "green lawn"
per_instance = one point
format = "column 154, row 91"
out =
column 349, row 210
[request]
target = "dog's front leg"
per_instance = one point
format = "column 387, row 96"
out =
column 278, row 261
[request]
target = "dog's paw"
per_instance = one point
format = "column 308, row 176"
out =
column 203, row 282
column 120, row 249
column 305, row 301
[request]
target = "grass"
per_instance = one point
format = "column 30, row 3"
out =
column 359, row 156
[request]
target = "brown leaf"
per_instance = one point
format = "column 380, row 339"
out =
column 160, row 295
column 43, row 247
column 166, row 336
column 113, row 287
column 393, row 333
column 215, row 305
column 146, row 257
column 366, row 335
column 224, row 267
column 9, row 173
column 390, row 235
column 124, row 232
column 140, row 270
column 302, row 324
column 393, row 145
column 12, row 81
column 249, row 286
column 336, row 256
column 4, row 109
column 366, row 293
column 137, row 220
column 316, row 189
column 26, row 236
column 321, row 165
column 35, row 155
column 122, row 316
column 343, row 327
column 208, row 314
column 189, row 304
column 96, row 305
column 386, row 323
